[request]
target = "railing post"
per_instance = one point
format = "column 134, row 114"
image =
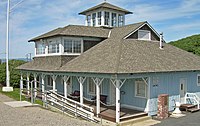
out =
column 75, row 109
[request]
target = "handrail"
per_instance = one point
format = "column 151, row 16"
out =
column 194, row 97
column 70, row 105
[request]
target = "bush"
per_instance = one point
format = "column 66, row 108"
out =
column 14, row 74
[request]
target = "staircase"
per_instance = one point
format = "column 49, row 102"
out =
column 191, row 103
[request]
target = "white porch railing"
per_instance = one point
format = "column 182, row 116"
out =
column 68, row 105
column 192, row 98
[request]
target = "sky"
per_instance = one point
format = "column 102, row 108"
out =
column 175, row 18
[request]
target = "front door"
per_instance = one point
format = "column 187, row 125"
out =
column 183, row 88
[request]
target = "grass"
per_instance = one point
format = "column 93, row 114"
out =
column 15, row 94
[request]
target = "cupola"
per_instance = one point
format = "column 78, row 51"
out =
column 105, row 14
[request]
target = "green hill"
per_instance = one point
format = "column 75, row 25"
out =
column 190, row 44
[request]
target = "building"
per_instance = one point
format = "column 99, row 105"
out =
column 130, row 64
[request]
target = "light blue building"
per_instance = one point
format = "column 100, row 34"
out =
column 129, row 64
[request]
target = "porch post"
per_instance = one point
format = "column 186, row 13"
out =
column 54, row 82
column 42, row 76
column 28, row 84
column 35, row 84
column 117, row 101
column 98, row 82
column 98, row 98
column 65, row 79
column 81, row 92
column 81, row 81
column 21, row 86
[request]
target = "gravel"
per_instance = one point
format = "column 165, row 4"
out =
column 35, row 116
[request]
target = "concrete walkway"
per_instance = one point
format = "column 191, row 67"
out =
column 35, row 116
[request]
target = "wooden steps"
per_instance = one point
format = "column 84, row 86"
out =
column 189, row 108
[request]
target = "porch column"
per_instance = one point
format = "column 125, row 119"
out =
column 35, row 84
column 21, row 86
column 28, row 84
column 65, row 79
column 54, row 82
column 42, row 76
column 98, row 82
column 117, row 101
column 81, row 81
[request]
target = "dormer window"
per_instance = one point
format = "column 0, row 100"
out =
column 107, row 18
column 40, row 48
column 121, row 20
column 53, row 47
column 73, row 46
column 114, row 20
column 99, row 18
column 88, row 20
column 144, row 35
column 94, row 19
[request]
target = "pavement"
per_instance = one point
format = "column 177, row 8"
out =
column 191, row 119
column 35, row 116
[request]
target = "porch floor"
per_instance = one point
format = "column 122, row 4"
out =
column 108, row 112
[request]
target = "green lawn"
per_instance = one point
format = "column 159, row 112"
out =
column 15, row 94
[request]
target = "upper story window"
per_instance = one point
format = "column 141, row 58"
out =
column 144, row 35
column 120, row 20
column 40, row 48
column 53, row 47
column 107, row 18
column 88, row 20
column 72, row 46
column 114, row 19
column 99, row 18
column 94, row 19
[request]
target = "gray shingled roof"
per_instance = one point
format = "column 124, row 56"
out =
column 132, row 56
column 76, row 30
column 106, row 5
column 49, row 63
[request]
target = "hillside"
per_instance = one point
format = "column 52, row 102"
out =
column 190, row 44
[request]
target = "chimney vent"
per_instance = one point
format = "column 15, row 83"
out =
column 161, row 40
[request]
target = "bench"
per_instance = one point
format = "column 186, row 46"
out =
column 76, row 93
column 103, row 98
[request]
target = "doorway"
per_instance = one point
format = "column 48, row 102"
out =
column 183, row 88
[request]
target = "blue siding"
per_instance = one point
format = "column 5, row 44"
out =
column 129, row 97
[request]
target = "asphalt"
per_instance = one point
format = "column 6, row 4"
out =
column 191, row 119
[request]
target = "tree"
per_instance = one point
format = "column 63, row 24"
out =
column 14, row 74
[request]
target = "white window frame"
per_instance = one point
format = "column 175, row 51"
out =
column 99, row 15
column 120, row 20
column 57, row 48
column 114, row 20
column 43, row 48
column 198, row 75
column 88, row 18
column 147, row 31
column 94, row 16
column 137, row 82
column 73, row 39
column 106, row 18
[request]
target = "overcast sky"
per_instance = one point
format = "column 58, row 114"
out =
column 176, row 18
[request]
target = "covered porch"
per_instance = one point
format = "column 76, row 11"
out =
column 115, row 109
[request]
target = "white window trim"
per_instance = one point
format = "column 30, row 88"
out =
column 136, row 90
column 66, row 53
column 149, row 32
column 198, row 75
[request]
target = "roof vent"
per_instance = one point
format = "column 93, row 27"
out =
column 161, row 40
